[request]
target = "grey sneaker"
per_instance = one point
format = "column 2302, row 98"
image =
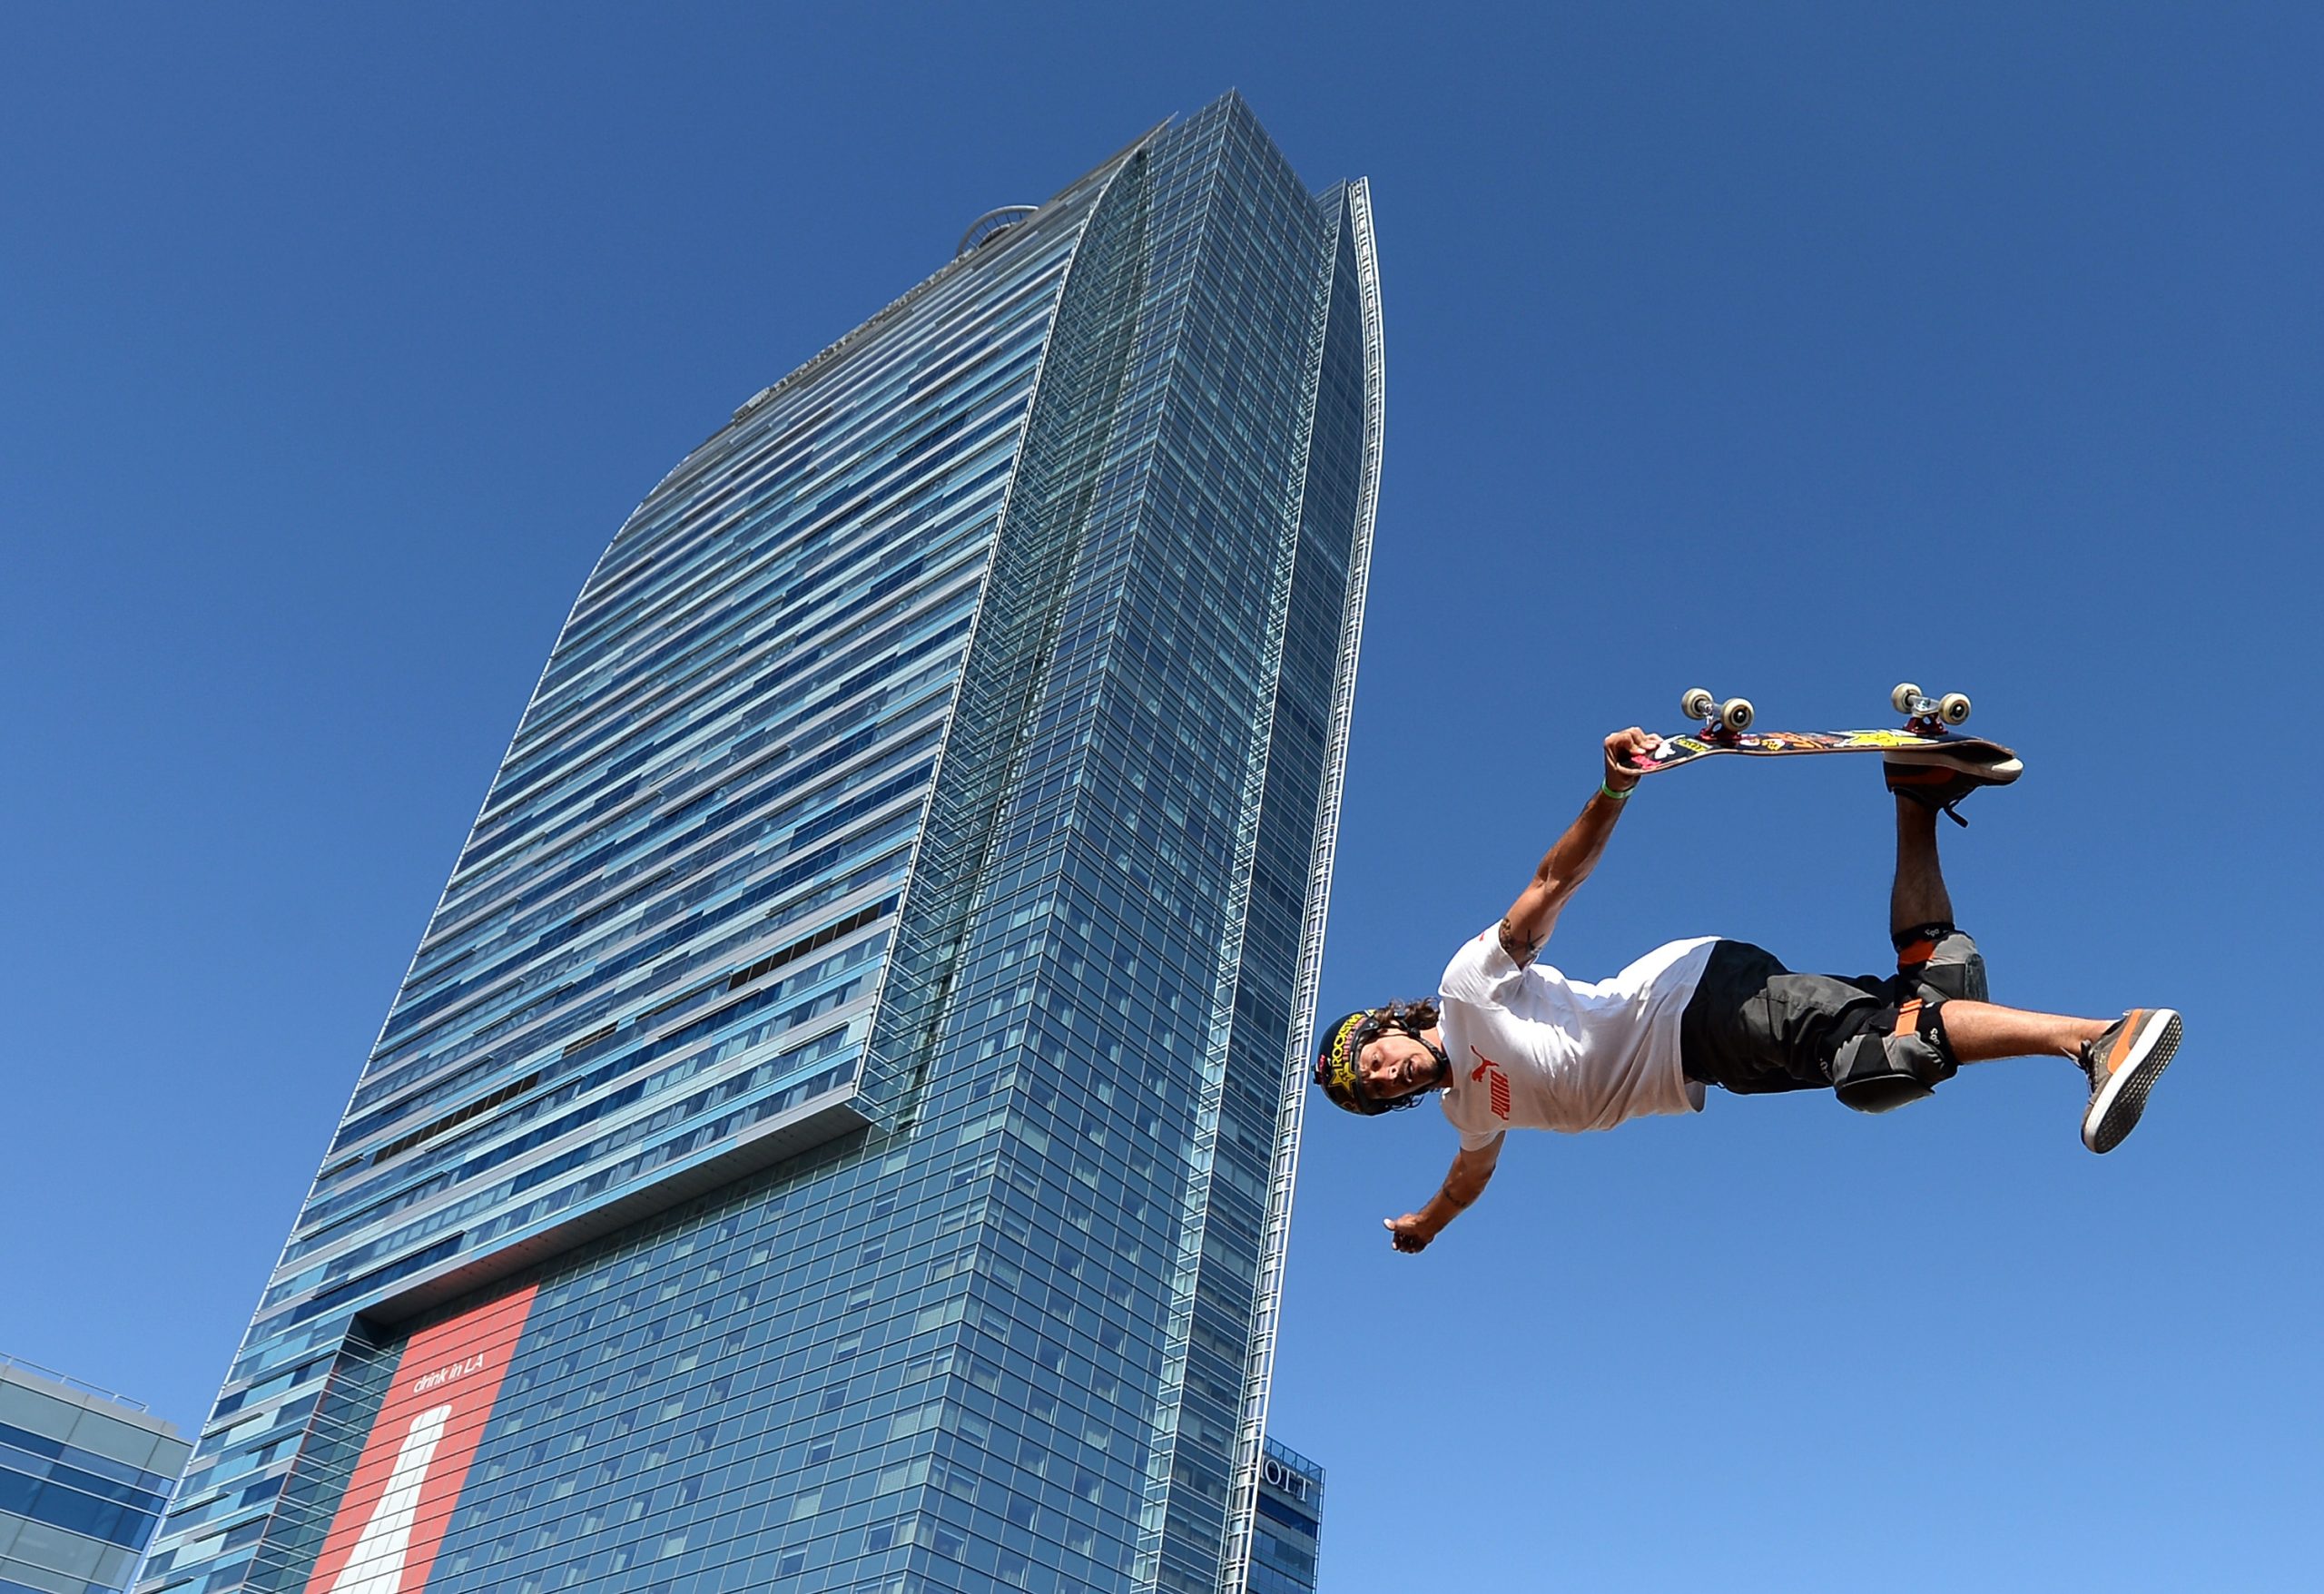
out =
column 1935, row 785
column 2123, row 1065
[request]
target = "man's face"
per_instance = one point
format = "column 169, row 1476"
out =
column 1394, row 1065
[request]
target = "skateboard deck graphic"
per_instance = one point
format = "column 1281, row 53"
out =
column 1973, row 754
column 1925, row 738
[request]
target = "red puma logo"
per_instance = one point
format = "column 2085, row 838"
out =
column 1496, row 1082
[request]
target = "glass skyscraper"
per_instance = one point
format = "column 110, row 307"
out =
column 837, row 1129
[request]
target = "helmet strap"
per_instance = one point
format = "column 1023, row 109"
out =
column 1444, row 1063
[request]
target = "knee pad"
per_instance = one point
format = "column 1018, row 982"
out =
column 1899, row 1058
column 1954, row 972
column 1942, row 961
column 1914, row 942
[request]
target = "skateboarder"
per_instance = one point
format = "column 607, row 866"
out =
column 1515, row 1044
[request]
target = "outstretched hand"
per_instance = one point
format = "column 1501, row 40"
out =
column 1621, row 748
column 1409, row 1234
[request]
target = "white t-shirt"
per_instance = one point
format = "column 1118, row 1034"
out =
column 1531, row 1049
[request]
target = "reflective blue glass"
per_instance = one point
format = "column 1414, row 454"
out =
column 1285, row 1548
column 83, row 1483
column 837, row 1130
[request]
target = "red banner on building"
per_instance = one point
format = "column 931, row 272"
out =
column 398, row 1505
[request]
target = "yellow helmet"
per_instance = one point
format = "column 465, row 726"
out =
column 1337, row 1069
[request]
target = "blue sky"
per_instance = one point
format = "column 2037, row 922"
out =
column 1789, row 351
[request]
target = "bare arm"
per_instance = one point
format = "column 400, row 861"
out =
column 1567, row 865
column 1463, row 1186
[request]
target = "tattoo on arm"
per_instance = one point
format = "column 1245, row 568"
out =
column 1520, row 950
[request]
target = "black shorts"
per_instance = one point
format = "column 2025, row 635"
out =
column 1753, row 1026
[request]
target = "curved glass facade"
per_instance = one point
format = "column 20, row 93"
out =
column 837, row 1128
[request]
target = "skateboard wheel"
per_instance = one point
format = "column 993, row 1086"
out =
column 1696, row 704
column 1902, row 696
column 1735, row 714
column 1952, row 708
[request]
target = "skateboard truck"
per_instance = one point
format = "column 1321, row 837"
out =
column 1723, row 721
column 1926, row 715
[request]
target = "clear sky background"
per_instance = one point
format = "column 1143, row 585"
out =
column 1784, row 351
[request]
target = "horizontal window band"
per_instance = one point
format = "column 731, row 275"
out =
column 480, row 1105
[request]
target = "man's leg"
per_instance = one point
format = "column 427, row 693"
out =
column 1918, row 896
column 1980, row 1032
column 2123, row 1056
column 1977, row 1032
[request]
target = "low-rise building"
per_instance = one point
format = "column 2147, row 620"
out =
column 1290, row 1530
column 85, row 1475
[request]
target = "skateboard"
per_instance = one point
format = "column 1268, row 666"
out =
column 1927, row 736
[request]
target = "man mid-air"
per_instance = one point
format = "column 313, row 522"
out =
column 1514, row 1043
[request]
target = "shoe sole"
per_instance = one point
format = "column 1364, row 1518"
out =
column 1996, row 771
column 2119, row 1101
